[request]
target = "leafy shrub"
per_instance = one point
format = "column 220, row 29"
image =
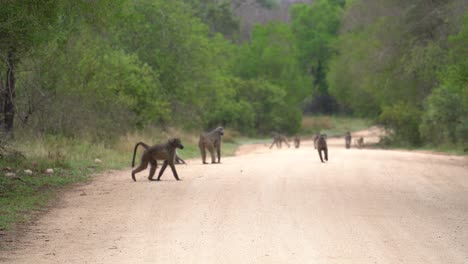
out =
column 402, row 121
column 442, row 120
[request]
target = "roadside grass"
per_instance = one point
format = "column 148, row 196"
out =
column 332, row 125
column 450, row 149
column 73, row 161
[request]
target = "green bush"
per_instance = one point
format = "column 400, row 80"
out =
column 402, row 121
column 444, row 118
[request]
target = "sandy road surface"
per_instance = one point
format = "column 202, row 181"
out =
column 265, row 206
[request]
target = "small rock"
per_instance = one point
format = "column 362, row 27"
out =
column 28, row 172
column 49, row 171
column 97, row 161
column 10, row 174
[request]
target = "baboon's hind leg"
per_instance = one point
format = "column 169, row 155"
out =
column 162, row 169
column 143, row 166
column 154, row 165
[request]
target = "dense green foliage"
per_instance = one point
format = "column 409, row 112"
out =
column 106, row 67
column 405, row 64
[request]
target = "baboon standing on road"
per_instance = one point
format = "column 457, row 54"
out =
column 360, row 142
column 166, row 152
column 348, row 140
column 321, row 143
column 297, row 141
column 212, row 142
column 278, row 140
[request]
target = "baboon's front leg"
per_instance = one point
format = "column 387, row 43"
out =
column 326, row 154
column 320, row 154
column 174, row 171
column 162, row 169
column 218, row 150
column 211, row 150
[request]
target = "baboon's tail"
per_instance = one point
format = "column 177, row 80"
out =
column 134, row 152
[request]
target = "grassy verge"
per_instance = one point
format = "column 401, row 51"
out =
column 332, row 125
column 73, row 161
column 445, row 149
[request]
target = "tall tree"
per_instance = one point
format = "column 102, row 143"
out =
column 315, row 27
column 22, row 24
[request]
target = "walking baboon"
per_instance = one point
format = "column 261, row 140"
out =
column 278, row 140
column 360, row 142
column 297, row 141
column 212, row 142
column 166, row 152
column 317, row 137
column 321, row 143
column 348, row 140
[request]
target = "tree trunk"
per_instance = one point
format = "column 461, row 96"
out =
column 9, row 96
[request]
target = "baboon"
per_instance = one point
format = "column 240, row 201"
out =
column 297, row 141
column 348, row 140
column 179, row 160
column 317, row 137
column 166, row 152
column 321, row 143
column 212, row 142
column 278, row 140
column 360, row 142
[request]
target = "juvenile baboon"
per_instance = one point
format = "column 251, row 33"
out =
column 278, row 140
column 360, row 142
column 151, row 155
column 348, row 140
column 322, row 146
column 179, row 160
column 297, row 141
column 212, row 142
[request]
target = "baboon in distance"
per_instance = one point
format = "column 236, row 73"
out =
column 278, row 140
column 211, row 141
column 297, row 141
column 360, row 142
column 321, row 143
column 316, row 138
column 151, row 155
column 348, row 140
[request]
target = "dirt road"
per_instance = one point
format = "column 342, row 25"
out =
column 265, row 206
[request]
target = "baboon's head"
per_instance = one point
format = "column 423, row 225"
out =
column 176, row 143
column 220, row 130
